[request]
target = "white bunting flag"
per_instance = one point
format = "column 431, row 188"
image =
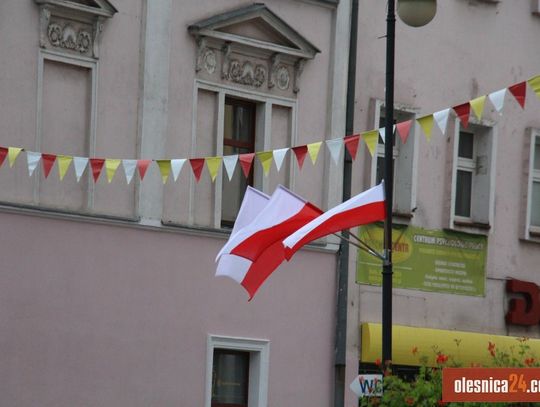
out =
column 229, row 161
column 279, row 155
column 441, row 118
column 382, row 132
column 80, row 164
column 497, row 98
column 335, row 147
column 176, row 166
column 129, row 169
column 33, row 160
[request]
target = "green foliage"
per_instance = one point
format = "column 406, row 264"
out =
column 426, row 389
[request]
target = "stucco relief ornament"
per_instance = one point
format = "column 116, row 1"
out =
column 210, row 61
column 283, row 78
column 84, row 41
column 260, row 76
column 54, row 33
column 246, row 74
column 69, row 38
column 235, row 71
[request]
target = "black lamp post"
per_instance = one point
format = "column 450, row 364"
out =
column 415, row 13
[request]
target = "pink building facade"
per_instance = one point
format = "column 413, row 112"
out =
column 108, row 291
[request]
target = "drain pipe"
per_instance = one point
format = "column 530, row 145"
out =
column 343, row 254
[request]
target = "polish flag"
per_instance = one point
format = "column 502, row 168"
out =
column 367, row 207
column 256, row 250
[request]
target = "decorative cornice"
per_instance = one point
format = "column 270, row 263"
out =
column 72, row 27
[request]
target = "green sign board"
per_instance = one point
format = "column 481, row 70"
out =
column 428, row 260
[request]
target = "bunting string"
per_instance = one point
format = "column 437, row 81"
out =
column 171, row 168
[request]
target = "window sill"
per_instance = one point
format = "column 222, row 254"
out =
column 533, row 235
column 471, row 226
column 402, row 217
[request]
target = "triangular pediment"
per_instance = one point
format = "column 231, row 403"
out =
column 256, row 26
column 103, row 8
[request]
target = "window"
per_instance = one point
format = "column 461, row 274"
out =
column 472, row 177
column 465, row 171
column 533, row 202
column 238, row 138
column 230, row 378
column 237, row 372
column 404, row 156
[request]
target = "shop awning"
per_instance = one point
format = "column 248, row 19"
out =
column 409, row 344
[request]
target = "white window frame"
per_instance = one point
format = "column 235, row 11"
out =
column 532, row 232
column 404, row 188
column 79, row 61
column 483, row 182
column 259, row 360
column 466, row 165
column 263, row 139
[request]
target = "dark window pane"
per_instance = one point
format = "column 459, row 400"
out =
column 230, row 378
column 238, row 138
column 380, row 170
column 463, row 193
column 535, row 204
column 466, row 145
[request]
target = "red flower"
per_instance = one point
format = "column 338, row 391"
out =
column 415, row 350
column 442, row 358
column 491, row 349
column 409, row 401
column 529, row 362
column 378, row 362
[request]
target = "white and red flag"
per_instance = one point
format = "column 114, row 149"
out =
column 254, row 251
column 364, row 208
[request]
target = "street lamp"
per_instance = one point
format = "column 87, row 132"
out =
column 415, row 13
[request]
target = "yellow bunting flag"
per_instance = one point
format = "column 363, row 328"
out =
column 426, row 123
column 164, row 169
column 535, row 84
column 371, row 138
column 313, row 150
column 13, row 152
column 64, row 161
column 111, row 166
column 213, row 164
column 477, row 106
column 265, row 157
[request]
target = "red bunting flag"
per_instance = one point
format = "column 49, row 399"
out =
column 142, row 166
column 300, row 152
column 97, row 165
column 463, row 112
column 48, row 162
column 3, row 154
column 519, row 90
column 197, row 165
column 351, row 143
column 404, row 129
column 246, row 160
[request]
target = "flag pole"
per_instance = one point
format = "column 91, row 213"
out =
column 387, row 271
